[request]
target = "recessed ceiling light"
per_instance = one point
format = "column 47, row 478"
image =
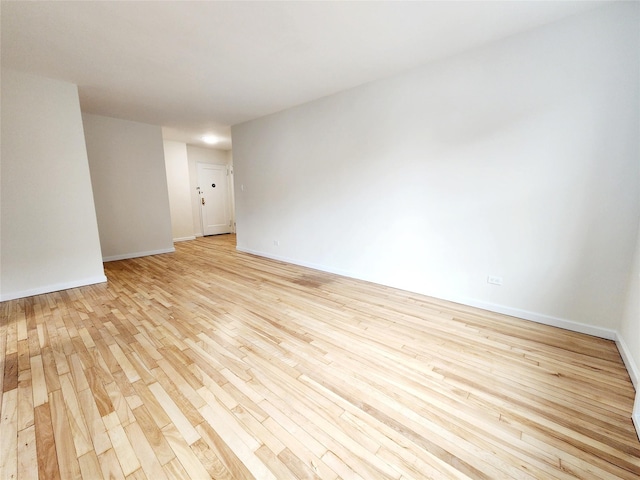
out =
column 210, row 139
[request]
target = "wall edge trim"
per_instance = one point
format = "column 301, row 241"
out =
column 184, row 239
column 492, row 307
column 635, row 416
column 544, row 319
column 126, row 256
column 634, row 373
column 56, row 287
column 632, row 368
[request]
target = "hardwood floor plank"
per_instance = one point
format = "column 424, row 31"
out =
column 273, row 463
column 176, row 471
column 100, row 395
column 47, row 464
column 150, row 464
column 65, row 449
column 123, row 449
column 127, row 391
column 154, row 436
column 120, row 405
column 211, row 363
column 336, row 464
column 27, row 455
column 10, row 381
column 125, row 363
column 95, row 425
column 38, row 382
column 5, row 308
column 90, row 465
column 110, row 466
column 298, row 467
column 229, row 429
column 79, row 430
column 25, row 400
column 137, row 475
column 210, row 460
column 180, row 421
column 184, row 454
column 223, row 452
column 152, row 406
column 9, row 435
column 77, row 373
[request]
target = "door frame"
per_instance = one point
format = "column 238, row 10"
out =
column 230, row 204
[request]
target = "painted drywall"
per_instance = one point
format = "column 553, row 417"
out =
column 129, row 181
column 629, row 331
column 517, row 160
column 178, row 184
column 232, row 191
column 49, row 234
column 212, row 156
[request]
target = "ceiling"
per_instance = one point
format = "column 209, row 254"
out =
column 200, row 67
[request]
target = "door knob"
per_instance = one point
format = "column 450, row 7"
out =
column 203, row 200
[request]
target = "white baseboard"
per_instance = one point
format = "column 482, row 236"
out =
column 540, row 318
column 625, row 353
column 606, row 333
column 636, row 413
column 125, row 256
column 314, row 266
column 184, row 239
column 492, row 307
column 53, row 288
column 634, row 374
column 632, row 368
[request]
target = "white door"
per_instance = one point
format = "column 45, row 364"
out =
column 214, row 199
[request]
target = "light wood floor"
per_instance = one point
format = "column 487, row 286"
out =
column 213, row 363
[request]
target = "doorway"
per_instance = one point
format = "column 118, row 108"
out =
column 213, row 190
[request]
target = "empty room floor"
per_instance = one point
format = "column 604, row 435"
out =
column 211, row 363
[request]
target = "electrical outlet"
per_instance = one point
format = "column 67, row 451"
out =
column 493, row 280
column 276, row 243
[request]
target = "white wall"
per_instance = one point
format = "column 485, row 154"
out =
column 129, row 186
column 205, row 155
column 178, row 183
column 49, row 235
column 630, row 325
column 629, row 333
column 518, row 160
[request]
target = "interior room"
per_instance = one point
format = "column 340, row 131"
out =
column 320, row 239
